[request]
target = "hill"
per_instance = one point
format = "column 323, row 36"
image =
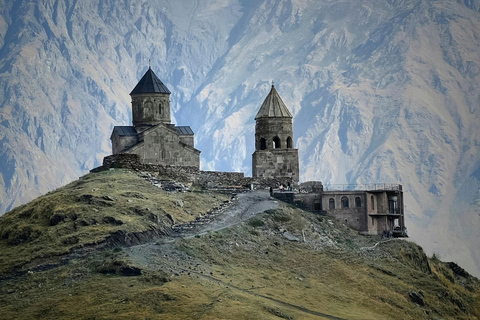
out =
column 382, row 91
column 120, row 244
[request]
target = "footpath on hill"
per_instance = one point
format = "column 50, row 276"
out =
column 243, row 208
column 164, row 255
column 246, row 206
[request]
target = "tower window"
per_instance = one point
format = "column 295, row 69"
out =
column 147, row 108
column 289, row 143
column 358, row 202
column 263, row 144
column 276, row 143
column 331, row 203
column 373, row 202
column 160, row 108
column 344, row 202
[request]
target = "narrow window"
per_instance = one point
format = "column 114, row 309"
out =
column 263, row 144
column 358, row 202
column 373, row 202
column 147, row 109
column 160, row 108
column 392, row 205
column 289, row 143
column 331, row 203
column 276, row 143
column 344, row 202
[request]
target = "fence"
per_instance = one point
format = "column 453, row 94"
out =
column 363, row 187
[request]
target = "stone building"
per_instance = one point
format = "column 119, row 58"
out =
column 153, row 137
column 274, row 156
column 371, row 210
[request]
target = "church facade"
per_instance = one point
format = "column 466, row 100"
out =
column 275, row 156
column 153, row 137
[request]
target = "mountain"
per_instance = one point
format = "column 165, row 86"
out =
column 381, row 91
column 97, row 249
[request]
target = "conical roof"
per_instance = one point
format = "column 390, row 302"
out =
column 150, row 84
column 273, row 107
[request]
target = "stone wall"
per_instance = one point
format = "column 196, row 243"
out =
column 187, row 139
column 270, row 127
column 280, row 163
column 150, row 108
column 207, row 179
column 161, row 145
column 120, row 143
column 311, row 187
column 309, row 201
column 355, row 215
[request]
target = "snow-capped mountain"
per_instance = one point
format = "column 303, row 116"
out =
column 381, row 91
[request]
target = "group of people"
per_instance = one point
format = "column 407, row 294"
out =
column 282, row 188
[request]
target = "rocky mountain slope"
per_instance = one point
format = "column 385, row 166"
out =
column 381, row 91
column 96, row 249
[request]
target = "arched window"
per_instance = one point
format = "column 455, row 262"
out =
column 147, row 109
column 331, row 203
column 276, row 143
column 358, row 202
column 289, row 143
column 263, row 144
column 344, row 202
column 159, row 108
column 373, row 202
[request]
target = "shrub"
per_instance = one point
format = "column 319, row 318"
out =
column 256, row 222
column 281, row 217
column 436, row 256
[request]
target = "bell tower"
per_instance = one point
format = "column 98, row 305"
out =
column 274, row 156
column 150, row 102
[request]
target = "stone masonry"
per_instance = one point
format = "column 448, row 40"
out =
column 275, row 156
column 152, row 137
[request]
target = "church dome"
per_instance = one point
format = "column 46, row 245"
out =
column 150, row 83
column 273, row 107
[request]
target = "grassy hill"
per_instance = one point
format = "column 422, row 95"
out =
column 101, row 248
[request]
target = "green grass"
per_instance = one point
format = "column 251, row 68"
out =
column 87, row 211
column 250, row 271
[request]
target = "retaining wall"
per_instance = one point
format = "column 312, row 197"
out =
column 208, row 179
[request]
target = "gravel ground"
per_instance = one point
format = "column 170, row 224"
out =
column 165, row 256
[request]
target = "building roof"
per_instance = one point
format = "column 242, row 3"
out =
column 184, row 130
column 124, row 131
column 273, row 107
column 150, row 83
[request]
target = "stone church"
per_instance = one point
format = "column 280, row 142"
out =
column 275, row 156
column 153, row 137
column 371, row 209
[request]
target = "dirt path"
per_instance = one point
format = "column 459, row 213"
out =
column 165, row 256
column 245, row 207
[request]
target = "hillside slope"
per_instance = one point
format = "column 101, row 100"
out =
column 282, row 263
column 381, row 91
